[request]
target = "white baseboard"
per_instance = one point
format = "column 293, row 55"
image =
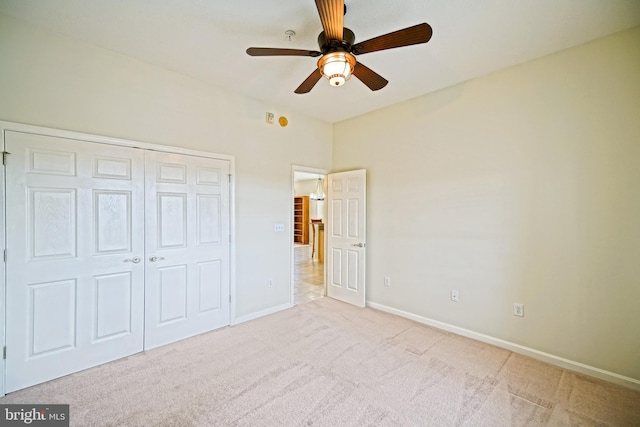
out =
column 516, row 348
column 258, row 314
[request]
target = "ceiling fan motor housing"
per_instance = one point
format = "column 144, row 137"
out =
column 327, row 45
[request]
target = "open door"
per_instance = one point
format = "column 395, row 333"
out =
column 346, row 237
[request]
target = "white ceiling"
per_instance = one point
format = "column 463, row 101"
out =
column 207, row 39
column 305, row 176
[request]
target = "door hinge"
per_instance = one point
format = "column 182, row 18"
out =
column 5, row 256
column 4, row 352
column 229, row 298
column 4, row 157
column 229, row 178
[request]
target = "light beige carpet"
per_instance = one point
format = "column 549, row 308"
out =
column 325, row 363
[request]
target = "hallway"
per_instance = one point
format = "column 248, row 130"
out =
column 308, row 275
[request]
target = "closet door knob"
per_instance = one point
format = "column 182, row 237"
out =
column 134, row 260
column 156, row 258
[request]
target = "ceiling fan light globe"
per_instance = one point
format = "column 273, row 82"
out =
column 337, row 67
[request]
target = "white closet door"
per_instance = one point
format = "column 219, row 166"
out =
column 75, row 291
column 187, row 246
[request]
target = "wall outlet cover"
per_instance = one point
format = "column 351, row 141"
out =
column 455, row 297
column 518, row 309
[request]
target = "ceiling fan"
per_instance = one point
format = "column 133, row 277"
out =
column 337, row 49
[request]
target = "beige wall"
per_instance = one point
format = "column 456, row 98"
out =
column 51, row 80
column 520, row 186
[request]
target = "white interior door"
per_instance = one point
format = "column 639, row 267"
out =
column 187, row 246
column 346, row 239
column 75, row 286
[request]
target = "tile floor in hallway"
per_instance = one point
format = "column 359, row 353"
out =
column 308, row 275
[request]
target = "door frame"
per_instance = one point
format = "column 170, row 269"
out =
column 292, row 262
column 40, row 130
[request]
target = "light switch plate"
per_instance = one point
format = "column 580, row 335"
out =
column 278, row 227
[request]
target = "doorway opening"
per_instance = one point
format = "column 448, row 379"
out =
column 308, row 235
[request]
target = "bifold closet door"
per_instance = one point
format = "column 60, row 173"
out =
column 75, row 248
column 187, row 246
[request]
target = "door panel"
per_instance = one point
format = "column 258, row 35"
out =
column 346, row 239
column 187, row 246
column 353, row 217
column 209, row 281
column 52, row 317
column 112, row 221
column 208, row 219
column 172, row 220
column 74, row 216
column 173, row 294
column 353, row 268
column 52, row 223
column 112, row 305
column 336, row 217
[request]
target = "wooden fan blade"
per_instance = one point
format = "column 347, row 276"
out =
column 270, row 51
column 420, row 33
column 309, row 83
column 369, row 77
column 332, row 17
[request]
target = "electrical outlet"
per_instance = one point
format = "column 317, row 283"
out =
column 270, row 283
column 454, row 295
column 518, row 309
column 278, row 227
column 387, row 281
